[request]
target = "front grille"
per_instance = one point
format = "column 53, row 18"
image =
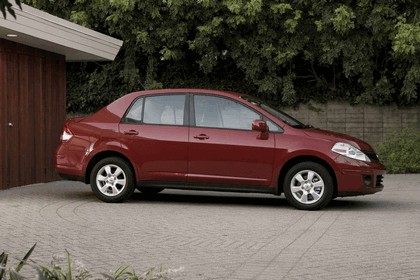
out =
column 372, row 156
column 379, row 180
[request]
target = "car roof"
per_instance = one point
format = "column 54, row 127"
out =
column 187, row 90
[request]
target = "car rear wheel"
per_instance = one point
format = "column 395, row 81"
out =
column 308, row 186
column 112, row 180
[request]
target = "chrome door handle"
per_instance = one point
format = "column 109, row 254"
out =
column 10, row 124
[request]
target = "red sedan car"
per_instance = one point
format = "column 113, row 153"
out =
column 212, row 140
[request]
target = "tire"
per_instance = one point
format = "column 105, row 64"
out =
column 150, row 190
column 112, row 180
column 308, row 186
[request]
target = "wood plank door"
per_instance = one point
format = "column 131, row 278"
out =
column 32, row 112
column 3, row 122
column 15, row 119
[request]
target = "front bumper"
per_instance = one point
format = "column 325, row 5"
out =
column 358, row 177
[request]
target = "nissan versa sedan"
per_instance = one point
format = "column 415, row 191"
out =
column 199, row 139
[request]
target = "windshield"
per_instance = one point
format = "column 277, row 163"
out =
column 276, row 113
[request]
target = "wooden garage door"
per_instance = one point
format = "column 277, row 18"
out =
column 32, row 111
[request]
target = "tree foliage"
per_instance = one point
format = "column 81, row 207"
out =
column 7, row 7
column 287, row 51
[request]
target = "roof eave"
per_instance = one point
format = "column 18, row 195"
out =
column 42, row 30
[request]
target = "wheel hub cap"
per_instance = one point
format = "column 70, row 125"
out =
column 307, row 187
column 111, row 180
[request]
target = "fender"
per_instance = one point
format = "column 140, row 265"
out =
column 283, row 160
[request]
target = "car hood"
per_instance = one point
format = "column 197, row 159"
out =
column 338, row 137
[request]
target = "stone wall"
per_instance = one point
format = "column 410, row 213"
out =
column 370, row 123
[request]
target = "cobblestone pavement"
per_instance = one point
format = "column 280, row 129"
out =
column 208, row 235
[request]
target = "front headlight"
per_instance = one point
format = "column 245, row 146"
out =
column 350, row 151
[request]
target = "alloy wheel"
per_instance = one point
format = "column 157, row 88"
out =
column 307, row 186
column 111, row 180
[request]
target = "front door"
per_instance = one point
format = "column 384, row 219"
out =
column 223, row 149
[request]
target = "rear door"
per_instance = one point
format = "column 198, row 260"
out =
column 155, row 133
column 223, row 149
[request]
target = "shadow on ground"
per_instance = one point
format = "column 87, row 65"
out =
column 83, row 192
column 207, row 198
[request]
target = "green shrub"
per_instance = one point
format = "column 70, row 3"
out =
column 400, row 151
column 67, row 269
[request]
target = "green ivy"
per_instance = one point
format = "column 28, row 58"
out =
column 285, row 51
column 400, row 151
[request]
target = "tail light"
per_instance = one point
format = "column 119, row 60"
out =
column 66, row 135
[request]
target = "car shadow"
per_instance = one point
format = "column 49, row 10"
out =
column 209, row 199
column 348, row 204
column 82, row 192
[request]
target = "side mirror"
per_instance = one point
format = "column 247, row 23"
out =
column 261, row 126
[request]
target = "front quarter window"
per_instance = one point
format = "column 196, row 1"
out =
column 273, row 127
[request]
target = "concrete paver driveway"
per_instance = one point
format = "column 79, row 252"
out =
column 220, row 235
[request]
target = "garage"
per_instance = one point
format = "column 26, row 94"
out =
column 34, row 50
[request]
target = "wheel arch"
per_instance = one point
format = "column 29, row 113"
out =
column 106, row 154
column 293, row 161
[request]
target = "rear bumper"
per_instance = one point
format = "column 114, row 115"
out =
column 68, row 167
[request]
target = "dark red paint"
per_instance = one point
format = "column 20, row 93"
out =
column 187, row 156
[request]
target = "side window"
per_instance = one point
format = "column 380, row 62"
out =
column 134, row 114
column 164, row 109
column 211, row 111
column 273, row 127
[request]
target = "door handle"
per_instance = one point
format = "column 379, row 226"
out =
column 131, row 132
column 10, row 124
column 201, row 137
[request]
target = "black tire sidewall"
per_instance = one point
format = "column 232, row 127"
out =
column 328, row 186
column 128, row 189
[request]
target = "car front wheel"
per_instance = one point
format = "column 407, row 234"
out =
column 308, row 186
column 112, row 180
